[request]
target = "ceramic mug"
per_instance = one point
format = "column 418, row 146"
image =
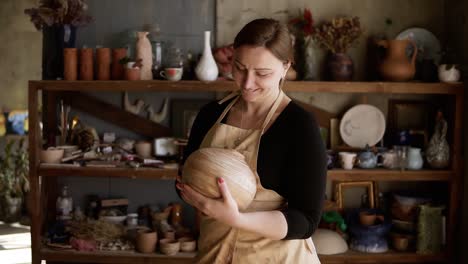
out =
column 347, row 160
column 165, row 146
column 172, row 74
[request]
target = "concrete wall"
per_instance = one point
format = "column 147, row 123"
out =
column 20, row 50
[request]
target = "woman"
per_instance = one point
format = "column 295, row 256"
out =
column 281, row 142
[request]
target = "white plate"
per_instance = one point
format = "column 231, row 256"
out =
column 428, row 44
column 362, row 125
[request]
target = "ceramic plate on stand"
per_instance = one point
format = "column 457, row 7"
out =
column 362, row 125
column 427, row 43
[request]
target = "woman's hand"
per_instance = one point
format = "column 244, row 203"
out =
column 223, row 209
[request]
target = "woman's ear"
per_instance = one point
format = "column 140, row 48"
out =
column 286, row 66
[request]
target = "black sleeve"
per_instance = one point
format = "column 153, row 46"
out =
column 306, row 174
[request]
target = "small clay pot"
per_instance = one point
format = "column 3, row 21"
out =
column 70, row 64
column 143, row 149
column 401, row 242
column 146, row 241
column 103, row 62
column 187, row 244
column 169, row 234
column 51, row 155
column 169, row 247
column 340, row 67
column 86, row 64
column 132, row 74
column 367, row 218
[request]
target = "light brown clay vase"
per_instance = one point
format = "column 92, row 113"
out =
column 86, row 64
column 146, row 241
column 396, row 66
column 103, row 62
column 70, row 64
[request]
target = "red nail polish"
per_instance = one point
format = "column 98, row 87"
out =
column 220, row 180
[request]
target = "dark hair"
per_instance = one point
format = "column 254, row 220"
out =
column 268, row 33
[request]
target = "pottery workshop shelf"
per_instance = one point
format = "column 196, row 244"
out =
column 225, row 86
column 138, row 173
column 113, row 257
column 388, row 257
column 390, row 175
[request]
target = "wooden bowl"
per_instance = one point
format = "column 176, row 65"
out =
column 205, row 165
column 51, row 155
column 169, row 247
column 187, row 244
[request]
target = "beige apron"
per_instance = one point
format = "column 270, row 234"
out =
column 220, row 243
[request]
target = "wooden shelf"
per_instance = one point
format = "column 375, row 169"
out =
column 225, row 86
column 389, row 175
column 138, row 173
column 387, row 257
column 180, row 258
column 113, row 257
column 167, row 174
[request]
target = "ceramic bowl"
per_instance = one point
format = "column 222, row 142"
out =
column 114, row 219
column 169, row 247
column 51, row 155
column 187, row 244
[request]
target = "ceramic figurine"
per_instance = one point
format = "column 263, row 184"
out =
column 64, row 205
column 158, row 117
column 438, row 153
column 143, row 52
column 206, row 69
column 133, row 108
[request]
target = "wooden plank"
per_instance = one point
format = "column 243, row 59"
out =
column 116, row 115
column 389, row 175
column 34, row 197
column 387, row 257
column 225, row 86
column 72, row 256
column 138, row 173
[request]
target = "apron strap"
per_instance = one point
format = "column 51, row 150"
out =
column 272, row 110
column 226, row 110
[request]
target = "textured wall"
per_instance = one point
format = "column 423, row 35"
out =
column 232, row 15
column 20, row 50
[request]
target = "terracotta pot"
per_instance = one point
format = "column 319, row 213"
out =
column 70, row 64
column 169, row 247
column 396, row 66
column 86, row 64
column 146, row 241
column 117, row 69
column 187, row 244
column 103, row 61
column 143, row 149
column 132, row 74
column 340, row 67
column 367, row 219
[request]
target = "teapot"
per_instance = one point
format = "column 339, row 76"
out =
column 367, row 159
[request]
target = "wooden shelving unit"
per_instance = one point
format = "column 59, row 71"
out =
column 39, row 173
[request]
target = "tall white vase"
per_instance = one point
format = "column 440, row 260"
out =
column 207, row 70
column 143, row 52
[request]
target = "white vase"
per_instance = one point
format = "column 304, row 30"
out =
column 415, row 161
column 143, row 51
column 207, row 70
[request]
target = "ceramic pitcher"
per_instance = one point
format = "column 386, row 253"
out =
column 397, row 66
column 415, row 160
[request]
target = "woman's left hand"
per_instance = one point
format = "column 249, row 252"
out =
column 223, row 209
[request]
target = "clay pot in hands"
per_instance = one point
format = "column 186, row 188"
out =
column 204, row 166
column 146, row 241
column 397, row 66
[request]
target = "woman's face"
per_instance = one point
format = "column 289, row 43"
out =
column 257, row 72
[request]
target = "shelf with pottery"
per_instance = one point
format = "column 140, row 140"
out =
column 225, row 86
column 168, row 174
column 74, row 256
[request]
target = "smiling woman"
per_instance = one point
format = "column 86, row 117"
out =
column 280, row 142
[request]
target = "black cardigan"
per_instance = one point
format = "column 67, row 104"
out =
column 291, row 161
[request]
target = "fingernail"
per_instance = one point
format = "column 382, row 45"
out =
column 220, row 180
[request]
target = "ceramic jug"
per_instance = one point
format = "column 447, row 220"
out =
column 206, row 69
column 415, row 161
column 143, row 52
column 396, row 66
